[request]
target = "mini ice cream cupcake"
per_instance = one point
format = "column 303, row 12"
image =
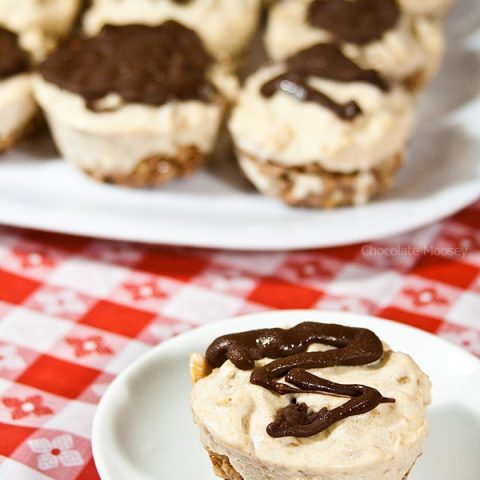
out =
column 135, row 105
column 376, row 34
column 284, row 405
column 17, row 106
column 225, row 27
column 54, row 18
column 319, row 131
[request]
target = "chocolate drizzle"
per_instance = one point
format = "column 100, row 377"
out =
column 13, row 59
column 288, row 348
column 143, row 64
column 354, row 21
column 323, row 61
column 297, row 86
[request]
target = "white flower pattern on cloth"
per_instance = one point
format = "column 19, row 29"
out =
column 309, row 269
column 55, row 452
column 123, row 253
column 147, row 290
column 60, row 302
column 10, row 359
column 94, row 344
column 28, row 259
column 229, row 279
column 425, row 296
column 25, row 407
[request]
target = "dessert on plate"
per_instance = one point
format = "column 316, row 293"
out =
column 134, row 105
column 54, row 18
column 225, row 27
column 17, row 106
column 377, row 34
column 318, row 130
column 313, row 402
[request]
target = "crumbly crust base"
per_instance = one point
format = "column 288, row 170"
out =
column 223, row 468
column 155, row 170
column 338, row 189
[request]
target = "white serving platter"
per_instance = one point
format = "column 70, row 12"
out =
column 217, row 208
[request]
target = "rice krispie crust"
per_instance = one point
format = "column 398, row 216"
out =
column 223, row 468
column 337, row 189
column 155, row 170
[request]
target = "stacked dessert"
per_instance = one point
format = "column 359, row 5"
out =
column 134, row 105
column 327, row 125
column 139, row 97
column 316, row 402
column 318, row 130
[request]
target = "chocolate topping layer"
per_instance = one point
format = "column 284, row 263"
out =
column 354, row 21
column 142, row 64
column 354, row 346
column 328, row 61
column 297, row 86
column 13, row 59
column 324, row 61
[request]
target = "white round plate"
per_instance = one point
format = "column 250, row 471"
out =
column 143, row 428
column 216, row 208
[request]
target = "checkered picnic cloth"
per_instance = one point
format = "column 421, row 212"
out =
column 75, row 312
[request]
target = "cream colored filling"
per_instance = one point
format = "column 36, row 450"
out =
column 398, row 55
column 17, row 107
column 226, row 27
column 381, row 445
column 53, row 17
column 114, row 142
column 294, row 133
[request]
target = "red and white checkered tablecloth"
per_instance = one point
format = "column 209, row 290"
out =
column 75, row 312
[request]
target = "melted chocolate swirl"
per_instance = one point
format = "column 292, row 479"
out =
column 152, row 65
column 354, row 346
column 323, row 61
